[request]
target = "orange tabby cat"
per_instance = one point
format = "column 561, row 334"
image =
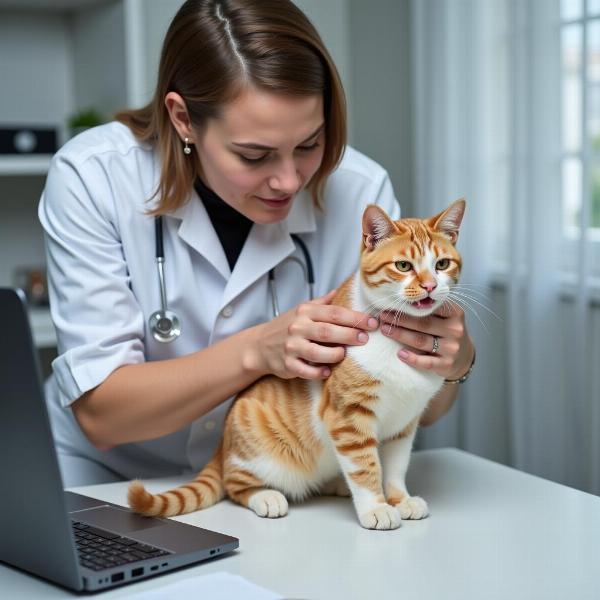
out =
column 292, row 438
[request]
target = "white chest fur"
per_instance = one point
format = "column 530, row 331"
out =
column 403, row 391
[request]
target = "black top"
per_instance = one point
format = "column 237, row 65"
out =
column 231, row 226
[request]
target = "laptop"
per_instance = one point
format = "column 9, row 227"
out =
column 73, row 540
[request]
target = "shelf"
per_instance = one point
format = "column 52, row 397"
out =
column 42, row 327
column 44, row 5
column 11, row 164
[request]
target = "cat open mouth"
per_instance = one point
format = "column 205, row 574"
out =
column 424, row 302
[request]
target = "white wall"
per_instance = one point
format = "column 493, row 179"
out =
column 379, row 48
column 369, row 41
column 157, row 17
column 34, row 62
column 99, row 31
column 332, row 21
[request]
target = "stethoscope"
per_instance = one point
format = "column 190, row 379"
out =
column 164, row 323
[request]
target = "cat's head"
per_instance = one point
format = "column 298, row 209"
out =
column 409, row 265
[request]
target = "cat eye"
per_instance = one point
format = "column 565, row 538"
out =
column 442, row 264
column 403, row 265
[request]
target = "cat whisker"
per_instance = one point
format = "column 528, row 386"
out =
column 375, row 305
column 396, row 308
column 396, row 318
column 470, row 302
column 465, row 284
column 465, row 288
column 399, row 311
column 466, row 296
column 472, row 286
column 465, row 306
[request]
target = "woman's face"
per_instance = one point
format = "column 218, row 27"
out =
column 261, row 151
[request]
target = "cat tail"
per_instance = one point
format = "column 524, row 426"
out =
column 204, row 491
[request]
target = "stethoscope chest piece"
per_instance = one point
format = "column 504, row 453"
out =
column 165, row 326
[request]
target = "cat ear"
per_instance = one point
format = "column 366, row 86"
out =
column 448, row 222
column 377, row 226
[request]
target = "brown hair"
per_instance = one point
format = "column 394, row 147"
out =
column 215, row 48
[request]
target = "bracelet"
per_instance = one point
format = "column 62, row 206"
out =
column 465, row 376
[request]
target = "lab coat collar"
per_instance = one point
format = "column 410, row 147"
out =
column 265, row 247
column 197, row 231
column 302, row 215
column 268, row 245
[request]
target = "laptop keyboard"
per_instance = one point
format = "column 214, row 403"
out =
column 100, row 549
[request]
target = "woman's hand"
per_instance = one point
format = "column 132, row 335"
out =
column 455, row 350
column 304, row 341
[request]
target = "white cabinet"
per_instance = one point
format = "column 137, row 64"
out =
column 58, row 57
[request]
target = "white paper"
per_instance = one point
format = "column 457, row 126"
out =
column 215, row 586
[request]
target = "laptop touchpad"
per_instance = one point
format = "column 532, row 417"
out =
column 117, row 519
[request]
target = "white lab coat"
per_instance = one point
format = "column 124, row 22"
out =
column 104, row 285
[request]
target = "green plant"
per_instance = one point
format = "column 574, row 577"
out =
column 84, row 118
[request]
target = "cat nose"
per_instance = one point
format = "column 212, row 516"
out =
column 428, row 285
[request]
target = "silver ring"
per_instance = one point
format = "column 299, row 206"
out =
column 436, row 344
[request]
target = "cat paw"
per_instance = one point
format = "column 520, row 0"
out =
column 384, row 516
column 269, row 503
column 413, row 507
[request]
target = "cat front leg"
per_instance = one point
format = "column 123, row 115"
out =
column 356, row 451
column 395, row 456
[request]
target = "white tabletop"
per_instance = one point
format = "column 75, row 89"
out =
column 493, row 533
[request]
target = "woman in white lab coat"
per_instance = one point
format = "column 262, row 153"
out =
column 242, row 146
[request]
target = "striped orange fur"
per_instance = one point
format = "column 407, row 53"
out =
column 287, row 439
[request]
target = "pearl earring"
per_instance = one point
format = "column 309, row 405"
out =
column 187, row 149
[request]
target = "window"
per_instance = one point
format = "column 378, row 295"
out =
column 580, row 52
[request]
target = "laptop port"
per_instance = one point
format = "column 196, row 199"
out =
column 137, row 572
column 154, row 568
column 117, row 577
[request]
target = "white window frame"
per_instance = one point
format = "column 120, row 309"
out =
column 575, row 251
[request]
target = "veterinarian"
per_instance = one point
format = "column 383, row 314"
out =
column 242, row 147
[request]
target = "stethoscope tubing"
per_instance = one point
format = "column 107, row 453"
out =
column 160, row 261
column 307, row 269
column 164, row 324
